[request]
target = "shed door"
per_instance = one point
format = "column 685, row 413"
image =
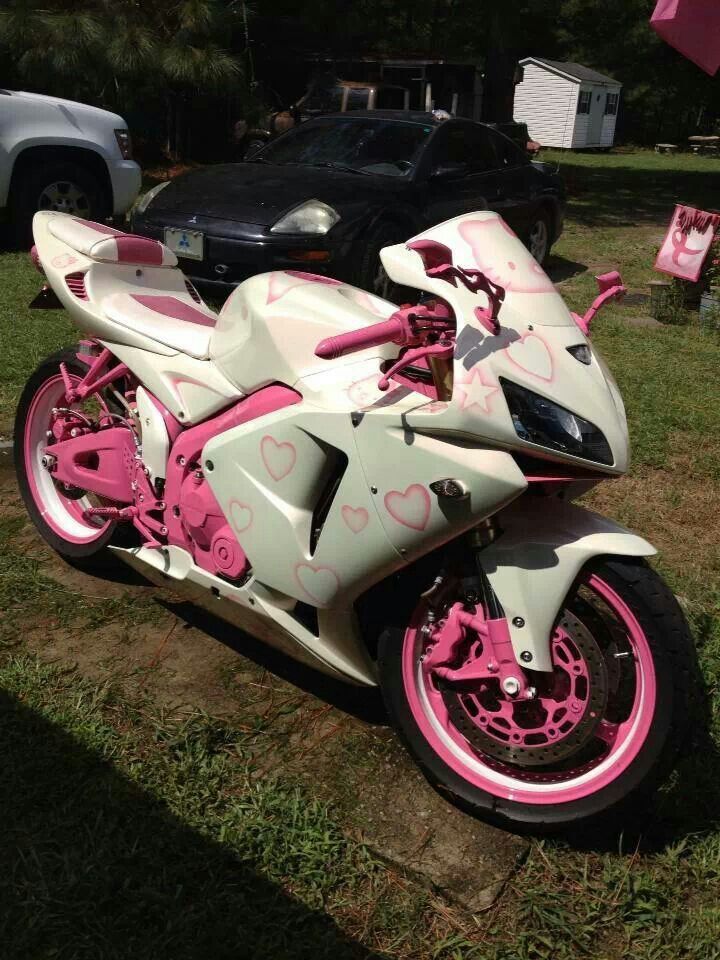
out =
column 595, row 121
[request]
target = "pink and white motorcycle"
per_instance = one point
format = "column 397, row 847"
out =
column 386, row 492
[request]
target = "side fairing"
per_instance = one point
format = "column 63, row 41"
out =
column 325, row 503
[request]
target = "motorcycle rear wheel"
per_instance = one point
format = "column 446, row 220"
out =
column 58, row 514
column 645, row 661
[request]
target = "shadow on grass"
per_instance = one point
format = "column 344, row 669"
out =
column 94, row 867
column 559, row 268
column 626, row 196
column 364, row 703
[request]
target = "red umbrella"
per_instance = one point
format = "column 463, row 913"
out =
column 693, row 28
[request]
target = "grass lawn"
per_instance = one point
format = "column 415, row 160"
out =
column 127, row 831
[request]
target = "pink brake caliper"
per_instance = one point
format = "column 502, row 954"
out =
column 496, row 659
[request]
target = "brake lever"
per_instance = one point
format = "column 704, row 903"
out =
column 440, row 351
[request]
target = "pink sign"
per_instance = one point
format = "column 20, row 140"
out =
column 692, row 27
column 687, row 243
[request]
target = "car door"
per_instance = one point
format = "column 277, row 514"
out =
column 475, row 168
column 516, row 200
column 462, row 173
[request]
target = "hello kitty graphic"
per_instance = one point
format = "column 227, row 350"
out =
column 503, row 258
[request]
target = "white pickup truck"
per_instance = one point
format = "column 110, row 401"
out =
column 60, row 155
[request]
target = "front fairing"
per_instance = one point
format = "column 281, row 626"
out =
column 530, row 350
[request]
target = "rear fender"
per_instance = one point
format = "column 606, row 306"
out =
column 543, row 546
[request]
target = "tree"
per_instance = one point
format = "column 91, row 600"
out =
column 117, row 52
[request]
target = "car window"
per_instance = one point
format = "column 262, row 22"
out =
column 381, row 147
column 465, row 145
column 507, row 152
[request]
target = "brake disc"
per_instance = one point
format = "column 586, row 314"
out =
column 552, row 726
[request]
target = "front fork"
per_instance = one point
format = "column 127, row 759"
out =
column 480, row 613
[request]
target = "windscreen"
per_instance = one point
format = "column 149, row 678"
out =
column 372, row 146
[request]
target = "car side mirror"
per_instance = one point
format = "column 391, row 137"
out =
column 449, row 171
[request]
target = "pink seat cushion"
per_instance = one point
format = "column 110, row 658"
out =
column 101, row 242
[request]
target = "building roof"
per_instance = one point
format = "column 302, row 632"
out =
column 576, row 71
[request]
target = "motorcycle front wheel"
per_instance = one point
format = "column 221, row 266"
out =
column 601, row 731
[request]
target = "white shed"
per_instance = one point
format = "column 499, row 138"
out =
column 566, row 104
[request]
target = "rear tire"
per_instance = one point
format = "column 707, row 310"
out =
column 620, row 780
column 57, row 518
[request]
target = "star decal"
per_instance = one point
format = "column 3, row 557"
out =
column 474, row 392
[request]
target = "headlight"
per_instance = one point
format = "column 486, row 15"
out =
column 148, row 197
column 538, row 420
column 313, row 216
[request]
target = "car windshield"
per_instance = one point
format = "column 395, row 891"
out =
column 388, row 148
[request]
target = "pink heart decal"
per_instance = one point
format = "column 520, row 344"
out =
column 319, row 583
column 532, row 355
column 412, row 508
column 241, row 516
column 63, row 260
column 356, row 518
column 279, row 458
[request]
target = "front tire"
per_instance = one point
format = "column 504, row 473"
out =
column 62, row 186
column 371, row 275
column 539, row 237
column 646, row 663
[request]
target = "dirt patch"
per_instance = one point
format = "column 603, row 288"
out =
column 675, row 508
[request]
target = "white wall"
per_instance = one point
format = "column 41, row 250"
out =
column 547, row 103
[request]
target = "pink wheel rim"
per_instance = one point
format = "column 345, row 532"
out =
column 431, row 716
column 63, row 515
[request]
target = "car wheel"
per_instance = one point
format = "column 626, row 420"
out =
column 65, row 187
column 539, row 238
column 371, row 275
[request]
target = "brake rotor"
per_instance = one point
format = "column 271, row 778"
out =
column 553, row 725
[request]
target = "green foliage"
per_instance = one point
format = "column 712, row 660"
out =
column 111, row 43
column 124, row 55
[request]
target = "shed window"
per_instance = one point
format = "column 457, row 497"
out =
column 584, row 101
column 611, row 103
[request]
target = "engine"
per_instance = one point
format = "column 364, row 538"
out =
column 211, row 541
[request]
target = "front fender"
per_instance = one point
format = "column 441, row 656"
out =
column 543, row 545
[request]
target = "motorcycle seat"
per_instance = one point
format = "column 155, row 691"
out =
column 171, row 318
column 107, row 245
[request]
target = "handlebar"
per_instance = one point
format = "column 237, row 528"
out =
column 385, row 332
column 408, row 325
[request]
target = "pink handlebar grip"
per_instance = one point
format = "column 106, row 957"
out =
column 333, row 347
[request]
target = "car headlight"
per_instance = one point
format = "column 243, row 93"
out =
column 148, row 197
column 538, row 420
column 313, row 216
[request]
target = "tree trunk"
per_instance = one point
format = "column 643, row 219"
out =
column 499, row 81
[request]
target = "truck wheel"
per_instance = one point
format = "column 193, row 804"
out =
column 66, row 187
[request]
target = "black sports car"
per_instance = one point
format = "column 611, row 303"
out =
column 328, row 195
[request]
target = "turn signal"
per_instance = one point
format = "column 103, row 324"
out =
column 309, row 256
